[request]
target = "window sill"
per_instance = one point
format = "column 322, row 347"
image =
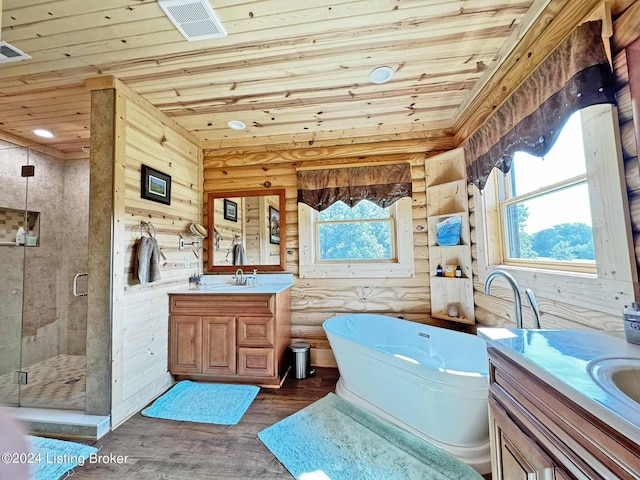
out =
column 583, row 290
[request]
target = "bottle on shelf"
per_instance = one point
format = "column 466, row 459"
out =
column 439, row 271
column 458, row 271
column 20, row 236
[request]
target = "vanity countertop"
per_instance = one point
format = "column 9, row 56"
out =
column 563, row 359
column 225, row 285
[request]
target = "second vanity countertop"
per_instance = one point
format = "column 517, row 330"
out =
column 225, row 285
column 561, row 358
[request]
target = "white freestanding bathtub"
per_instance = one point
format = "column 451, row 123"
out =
column 428, row 380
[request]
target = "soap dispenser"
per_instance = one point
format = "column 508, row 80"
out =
column 20, row 236
column 631, row 316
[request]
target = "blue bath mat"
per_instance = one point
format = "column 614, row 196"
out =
column 332, row 439
column 54, row 458
column 203, row 403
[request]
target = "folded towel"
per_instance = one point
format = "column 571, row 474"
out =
column 239, row 255
column 148, row 260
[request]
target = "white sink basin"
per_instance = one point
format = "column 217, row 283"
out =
column 618, row 376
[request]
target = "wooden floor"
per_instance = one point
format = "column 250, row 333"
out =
column 169, row 450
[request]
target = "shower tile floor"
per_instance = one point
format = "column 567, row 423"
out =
column 58, row 382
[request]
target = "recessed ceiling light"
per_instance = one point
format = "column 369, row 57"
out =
column 381, row 74
column 43, row 133
column 236, row 125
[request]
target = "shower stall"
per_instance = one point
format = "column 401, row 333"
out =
column 44, row 218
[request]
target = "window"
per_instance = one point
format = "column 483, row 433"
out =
column 363, row 233
column 535, row 197
column 545, row 207
column 363, row 241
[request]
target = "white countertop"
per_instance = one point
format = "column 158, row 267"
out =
column 225, row 285
column 561, row 359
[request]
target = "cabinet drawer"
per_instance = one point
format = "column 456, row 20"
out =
column 203, row 304
column 255, row 331
column 256, row 362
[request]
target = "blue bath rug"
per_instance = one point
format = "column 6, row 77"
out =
column 54, row 458
column 203, row 403
column 332, row 439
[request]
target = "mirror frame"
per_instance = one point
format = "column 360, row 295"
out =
column 211, row 222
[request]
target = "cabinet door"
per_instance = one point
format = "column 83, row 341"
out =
column 219, row 345
column 255, row 331
column 515, row 455
column 256, row 362
column 185, row 344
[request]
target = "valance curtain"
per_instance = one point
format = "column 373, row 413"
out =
column 380, row 184
column 575, row 75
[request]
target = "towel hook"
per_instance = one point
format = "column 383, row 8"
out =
column 147, row 225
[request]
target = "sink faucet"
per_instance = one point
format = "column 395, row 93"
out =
column 240, row 278
column 517, row 298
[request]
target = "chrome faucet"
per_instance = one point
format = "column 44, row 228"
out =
column 534, row 307
column 517, row 298
column 240, row 278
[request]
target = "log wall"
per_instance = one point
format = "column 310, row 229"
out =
column 315, row 300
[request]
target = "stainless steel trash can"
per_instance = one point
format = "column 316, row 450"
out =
column 301, row 359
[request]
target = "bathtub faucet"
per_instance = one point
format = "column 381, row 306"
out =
column 517, row 298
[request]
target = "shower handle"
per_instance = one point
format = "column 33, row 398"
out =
column 75, row 285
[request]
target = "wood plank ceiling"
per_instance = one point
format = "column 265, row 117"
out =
column 291, row 70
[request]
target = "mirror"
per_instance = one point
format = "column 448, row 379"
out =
column 246, row 230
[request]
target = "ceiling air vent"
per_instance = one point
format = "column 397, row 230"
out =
column 9, row 53
column 195, row 19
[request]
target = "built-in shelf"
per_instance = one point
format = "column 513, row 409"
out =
column 459, row 318
column 12, row 220
column 14, row 244
column 437, row 277
column 447, row 197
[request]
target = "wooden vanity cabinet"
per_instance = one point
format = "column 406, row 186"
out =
column 539, row 433
column 234, row 338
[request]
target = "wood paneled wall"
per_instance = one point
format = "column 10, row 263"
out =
column 493, row 310
column 315, row 300
column 140, row 312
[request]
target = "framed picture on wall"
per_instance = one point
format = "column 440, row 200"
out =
column 155, row 185
column 230, row 210
column 274, row 226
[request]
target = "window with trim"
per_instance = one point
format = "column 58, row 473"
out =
column 609, row 283
column 545, row 211
column 355, row 222
column 538, row 215
column 365, row 241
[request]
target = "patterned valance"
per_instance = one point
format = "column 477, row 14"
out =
column 575, row 75
column 380, row 184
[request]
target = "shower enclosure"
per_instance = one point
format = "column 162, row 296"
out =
column 44, row 217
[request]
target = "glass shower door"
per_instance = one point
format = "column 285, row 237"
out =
column 54, row 320
column 44, row 204
column 12, row 217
